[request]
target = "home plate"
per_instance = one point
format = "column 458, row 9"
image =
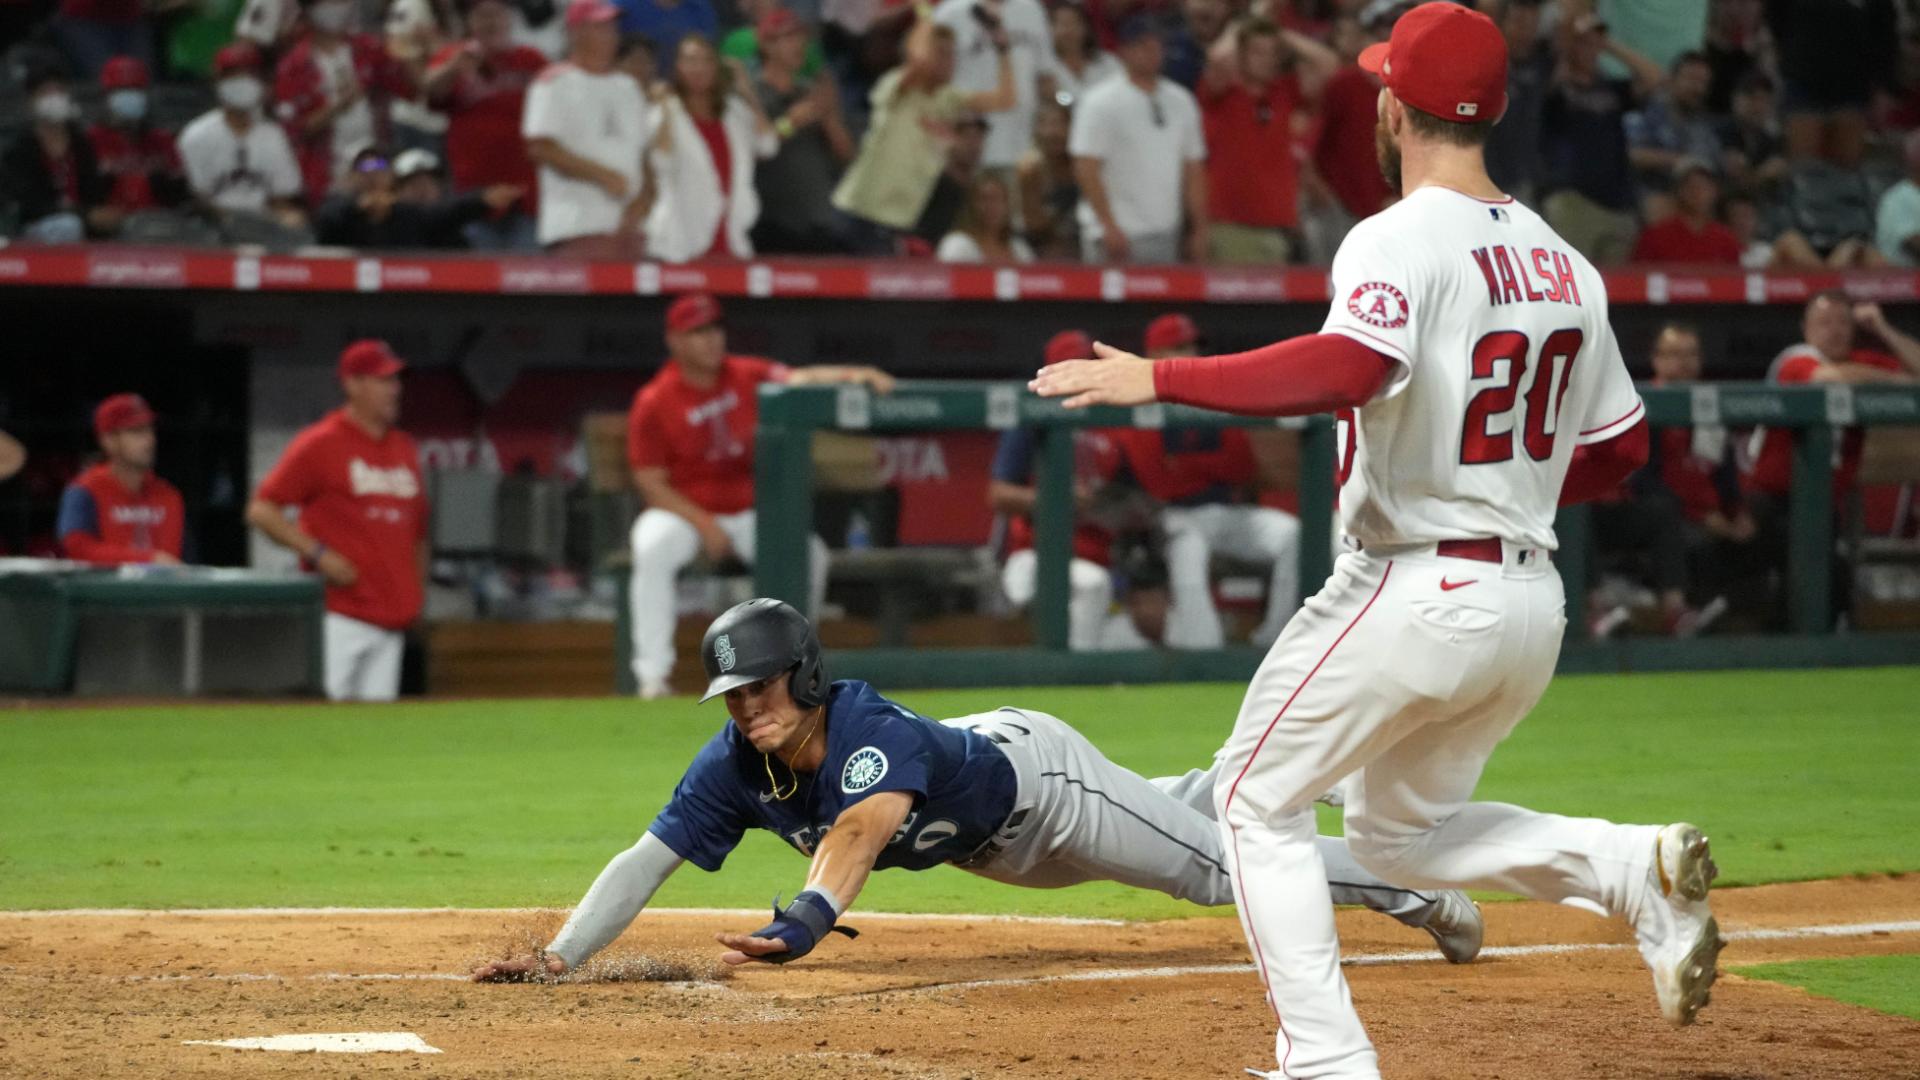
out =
column 351, row 1042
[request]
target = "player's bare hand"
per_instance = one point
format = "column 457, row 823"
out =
column 1114, row 243
column 519, row 969
column 1118, row 377
column 1869, row 316
column 714, row 542
column 337, row 569
column 164, row 558
column 878, row 381
column 745, row 947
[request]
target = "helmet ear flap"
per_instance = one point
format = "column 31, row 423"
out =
column 807, row 683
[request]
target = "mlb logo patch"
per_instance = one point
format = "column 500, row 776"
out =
column 1466, row 108
column 1498, row 215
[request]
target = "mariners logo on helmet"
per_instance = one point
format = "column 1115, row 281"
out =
column 864, row 769
column 723, row 652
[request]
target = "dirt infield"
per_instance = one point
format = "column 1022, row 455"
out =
column 119, row 995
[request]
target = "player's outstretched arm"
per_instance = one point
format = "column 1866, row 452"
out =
column 1296, row 377
column 840, row 868
column 615, row 899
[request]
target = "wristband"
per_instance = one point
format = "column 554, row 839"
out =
column 801, row 925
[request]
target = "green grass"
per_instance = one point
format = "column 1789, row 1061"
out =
column 1890, row 984
column 478, row 804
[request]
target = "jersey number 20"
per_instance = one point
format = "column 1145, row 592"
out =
column 1553, row 370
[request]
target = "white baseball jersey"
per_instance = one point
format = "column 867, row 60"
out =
column 1505, row 362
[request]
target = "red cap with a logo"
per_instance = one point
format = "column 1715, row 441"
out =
column 583, row 12
column 1173, row 331
column 1069, row 345
column 775, row 22
column 123, row 73
column 239, row 56
column 120, row 412
column 370, row 356
column 1444, row 59
column 692, row 312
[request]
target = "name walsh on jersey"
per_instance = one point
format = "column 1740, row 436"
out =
column 1509, row 283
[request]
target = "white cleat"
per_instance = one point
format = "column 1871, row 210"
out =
column 1456, row 927
column 1679, row 939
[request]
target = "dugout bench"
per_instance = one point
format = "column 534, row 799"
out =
column 141, row 632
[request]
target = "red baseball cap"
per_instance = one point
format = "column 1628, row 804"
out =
column 239, row 56
column 691, row 312
column 1069, row 345
column 776, row 22
column 1444, row 59
column 120, row 412
column 1173, row 331
column 370, row 356
column 582, row 12
column 124, row 73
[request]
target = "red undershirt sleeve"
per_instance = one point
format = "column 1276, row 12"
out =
column 1297, row 377
column 1600, row 467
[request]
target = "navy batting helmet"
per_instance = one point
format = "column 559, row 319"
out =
column 758, row 639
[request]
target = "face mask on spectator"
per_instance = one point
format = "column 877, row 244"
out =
column 240, row 92
column 128, row 106
column 331, row 16
column 54, row 108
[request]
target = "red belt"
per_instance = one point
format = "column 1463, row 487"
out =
column 1485, row 549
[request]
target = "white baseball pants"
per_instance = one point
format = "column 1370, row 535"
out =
column 1090, row 594
column 663, row 543
column 1254, row 533
column 1403, row 673
column 362, row 661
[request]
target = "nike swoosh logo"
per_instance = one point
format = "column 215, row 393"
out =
column 1449, row 586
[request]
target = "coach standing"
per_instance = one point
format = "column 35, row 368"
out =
column 355, row 479
column 690, row 438
column 118, row 511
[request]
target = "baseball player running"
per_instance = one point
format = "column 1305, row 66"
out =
column 1472, row 344
column 856, row 782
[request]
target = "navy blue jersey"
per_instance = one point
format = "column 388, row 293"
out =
column 962, row 786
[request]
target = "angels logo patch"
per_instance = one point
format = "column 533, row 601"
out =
column 864, row 769
column 1379, row 304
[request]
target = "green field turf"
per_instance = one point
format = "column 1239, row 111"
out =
column 1890, row 984
column 480, row 804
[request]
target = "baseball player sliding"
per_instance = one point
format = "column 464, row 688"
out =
column 856, row 782
column 1471, row 344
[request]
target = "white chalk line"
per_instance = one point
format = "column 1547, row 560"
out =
column 691, row 912
column 1794, row 933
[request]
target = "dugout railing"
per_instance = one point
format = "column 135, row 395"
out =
column 789, row 417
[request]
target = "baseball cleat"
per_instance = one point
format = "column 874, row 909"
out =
column 1456, row 927
column 1679, row 938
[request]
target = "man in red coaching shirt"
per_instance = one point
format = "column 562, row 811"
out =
column 690, row 439
column 1205, row 476
column 355, row 479
column 118, row 511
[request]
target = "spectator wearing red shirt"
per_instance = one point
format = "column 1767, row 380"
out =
column 334, row 89
column 1247, row 108
column 690, row 438
column 1829, row 354
column 139, row 160
column 481, row 84
column 1011, row 493
column 118, row 511
column 1203, row 475
column 1683, row 510
column 1343, row 157
column 1690, row 235
column 355, row 479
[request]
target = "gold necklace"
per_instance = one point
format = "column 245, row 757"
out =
column 793, row 785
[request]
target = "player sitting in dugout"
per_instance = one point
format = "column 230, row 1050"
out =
column 856, row 782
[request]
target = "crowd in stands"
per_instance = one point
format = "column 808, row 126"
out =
column 1757, row 133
